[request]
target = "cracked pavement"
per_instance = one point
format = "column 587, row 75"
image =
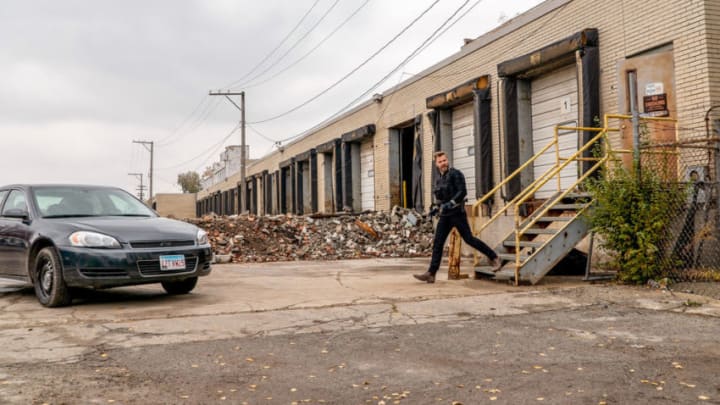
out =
column 270, row 306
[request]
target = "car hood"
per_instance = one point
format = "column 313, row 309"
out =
column 127, row 229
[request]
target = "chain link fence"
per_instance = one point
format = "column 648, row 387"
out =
column 692, row 248
column 686, row 160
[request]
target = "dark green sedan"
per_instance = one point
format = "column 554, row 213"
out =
column 62, row 236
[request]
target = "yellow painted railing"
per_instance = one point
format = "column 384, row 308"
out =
column 602, row 157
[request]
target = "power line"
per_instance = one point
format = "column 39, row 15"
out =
column 293, row 46
column 556, row 12
column 274, row 49
column 352, row 71
column 267, row 138
column 184, row 121
column 204, row 115
column 203, row 153
column 300, row 59
column 389, row 100
column 217, row 149
column 433, row 37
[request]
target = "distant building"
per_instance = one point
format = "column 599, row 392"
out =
column 228, row 164
column 175, row 205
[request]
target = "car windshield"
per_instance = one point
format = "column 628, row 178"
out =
column 59, row 202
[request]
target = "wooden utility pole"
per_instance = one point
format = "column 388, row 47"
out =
column 141, row 189
column 150, row 175
column 241, row 107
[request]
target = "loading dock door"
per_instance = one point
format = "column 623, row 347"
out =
column 463, row 124
column 554, row 101
column 367, row 176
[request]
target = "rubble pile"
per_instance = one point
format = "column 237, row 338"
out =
column 250, row 238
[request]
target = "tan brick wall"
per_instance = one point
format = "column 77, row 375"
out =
column 626, row 27
column 712, row 11
column 175, row 205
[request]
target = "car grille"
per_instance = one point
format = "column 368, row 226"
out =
column 152, row 267
column 103, row 272
column 140, row 244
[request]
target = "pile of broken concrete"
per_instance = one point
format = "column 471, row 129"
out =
column 250, row 238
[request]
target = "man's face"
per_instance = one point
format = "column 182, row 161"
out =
column 442, row 163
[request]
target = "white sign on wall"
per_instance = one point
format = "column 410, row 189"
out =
column 652, row 89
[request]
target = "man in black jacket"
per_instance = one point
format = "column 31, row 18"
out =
column 450, row 192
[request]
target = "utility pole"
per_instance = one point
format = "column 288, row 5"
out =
column 140, row 189
column 240, row 107
column 150, row 175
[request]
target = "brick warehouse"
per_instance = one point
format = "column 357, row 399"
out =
column 564, row 62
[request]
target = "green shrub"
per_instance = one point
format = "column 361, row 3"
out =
column 632, row 214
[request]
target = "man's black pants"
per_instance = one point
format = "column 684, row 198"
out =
column 444, row 226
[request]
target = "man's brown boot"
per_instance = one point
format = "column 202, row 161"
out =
column 496, row 264
column 427, row 277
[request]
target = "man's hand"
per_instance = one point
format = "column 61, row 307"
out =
column 448, row 205
column 434, row 211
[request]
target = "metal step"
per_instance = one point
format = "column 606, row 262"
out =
column 567, row 206
column 486, row 272
column 578, row 195
column 523, row 243
column 553, row 219
column 510, row 257
column 539, row 231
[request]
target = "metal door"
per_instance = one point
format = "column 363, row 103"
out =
column 463, row 159
column 367, row 176
column 554, row 101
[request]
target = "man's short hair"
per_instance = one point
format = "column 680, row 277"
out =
column 439, row 154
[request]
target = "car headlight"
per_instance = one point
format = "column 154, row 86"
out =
column 93, row 239
column 202, row 238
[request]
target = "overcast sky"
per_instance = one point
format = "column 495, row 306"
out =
column 80, row 80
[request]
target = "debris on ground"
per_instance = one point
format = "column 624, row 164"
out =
column 252, row 238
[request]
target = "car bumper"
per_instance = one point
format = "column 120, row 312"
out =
column 103, row 268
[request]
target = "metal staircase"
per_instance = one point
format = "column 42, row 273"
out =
column 539, row 241
column 546, row 240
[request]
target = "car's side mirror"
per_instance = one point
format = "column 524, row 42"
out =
column 16, row 213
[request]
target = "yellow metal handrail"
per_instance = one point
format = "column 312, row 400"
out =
column 555, row 170
column 524, row 193
column 561, row 162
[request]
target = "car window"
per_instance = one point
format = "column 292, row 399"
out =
column 45, row 201
column 2, row 196
column 119, row 203
column 15, row 200
column 83, row 202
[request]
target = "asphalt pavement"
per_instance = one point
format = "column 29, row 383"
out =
column 360, row 332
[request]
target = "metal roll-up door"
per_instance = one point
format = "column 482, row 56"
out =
column 463, row 124
column 554, row 101
column 367, row 176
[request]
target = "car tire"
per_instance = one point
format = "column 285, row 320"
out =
column 180, row 287
column 50, row 287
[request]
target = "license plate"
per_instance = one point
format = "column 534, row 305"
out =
column 172, row 262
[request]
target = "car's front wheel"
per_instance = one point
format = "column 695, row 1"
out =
column 48, row 281
column 180, row 287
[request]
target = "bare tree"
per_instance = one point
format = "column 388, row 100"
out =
column 189, row 182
